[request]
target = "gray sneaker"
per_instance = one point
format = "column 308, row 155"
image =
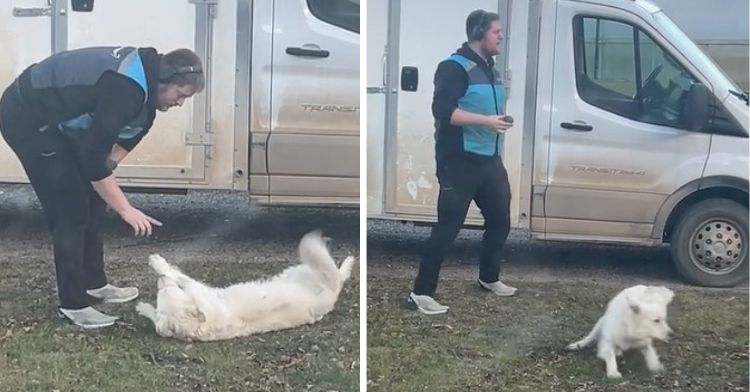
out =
column 426, row 304
column 87, row 318
column 498, row 288
column 114, row 294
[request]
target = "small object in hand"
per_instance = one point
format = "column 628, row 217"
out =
column 507, row 118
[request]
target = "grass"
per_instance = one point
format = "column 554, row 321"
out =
column 40, row 353
column 486, row 343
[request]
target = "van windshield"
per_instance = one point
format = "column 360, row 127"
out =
column 696, row 55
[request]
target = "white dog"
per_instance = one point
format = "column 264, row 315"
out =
column 190, row 310
column 634, row 318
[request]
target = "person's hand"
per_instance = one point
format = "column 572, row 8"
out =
column 140, row 222
column 500, row 123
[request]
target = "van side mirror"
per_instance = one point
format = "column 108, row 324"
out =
column 696, row 109
column 82, row 5
column 704, row 113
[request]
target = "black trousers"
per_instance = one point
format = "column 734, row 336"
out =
column 73, row 210
column 463, row 179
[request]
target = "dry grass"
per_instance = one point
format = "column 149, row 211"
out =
column 487, row 343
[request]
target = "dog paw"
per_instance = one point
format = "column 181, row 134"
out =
column 572, row 347
column 655, row 367
column 614, row 374
column 143, row 308
column 158, row 264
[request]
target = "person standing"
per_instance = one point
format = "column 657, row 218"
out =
column 468, row 108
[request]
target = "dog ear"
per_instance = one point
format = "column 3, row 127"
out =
column 667, row 294
column 197, row 314
column 634, row 306
column 661, row 293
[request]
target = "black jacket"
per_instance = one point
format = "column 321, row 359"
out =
column 451, row 82
column 114, row 101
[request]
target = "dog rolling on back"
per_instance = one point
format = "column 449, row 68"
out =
column 189, row 310
column 633, row 319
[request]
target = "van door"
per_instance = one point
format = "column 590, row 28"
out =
column 175, row 150
column 313, row 146
column 618, row 144
column 411, row 186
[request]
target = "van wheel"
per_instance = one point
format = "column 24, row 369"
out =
column 709, row 243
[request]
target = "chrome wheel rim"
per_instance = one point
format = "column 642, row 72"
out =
column 717, row 247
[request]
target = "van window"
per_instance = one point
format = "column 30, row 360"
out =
column 619, row 68
column 341, row 13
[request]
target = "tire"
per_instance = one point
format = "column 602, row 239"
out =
column 709, row 243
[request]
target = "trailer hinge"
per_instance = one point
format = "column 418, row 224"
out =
column 199, row 139
column 210, row 6
column 31, row 12
column 507, row 79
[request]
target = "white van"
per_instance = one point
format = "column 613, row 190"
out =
column 280, row 114
column 625, row 131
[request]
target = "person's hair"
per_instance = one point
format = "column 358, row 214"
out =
column 182, row 67
column 478, row 22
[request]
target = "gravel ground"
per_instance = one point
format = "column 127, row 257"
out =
column 394, row 248
column 198, row 219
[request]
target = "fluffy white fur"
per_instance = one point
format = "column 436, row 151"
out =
column 634, row 318
column 190, row 310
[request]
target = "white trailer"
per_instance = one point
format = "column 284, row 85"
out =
column 603, row 94
column 279, row 117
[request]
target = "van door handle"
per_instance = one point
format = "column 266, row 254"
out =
column 307, row 52
column 577, row 126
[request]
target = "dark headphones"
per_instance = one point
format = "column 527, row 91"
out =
column 167, row 72
column 480, row 27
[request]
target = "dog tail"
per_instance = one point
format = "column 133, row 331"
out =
column 314, row 253
column 590, row 338
column 345, row 271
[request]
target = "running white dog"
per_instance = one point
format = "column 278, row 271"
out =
column 190, row 310
column 634, row 318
